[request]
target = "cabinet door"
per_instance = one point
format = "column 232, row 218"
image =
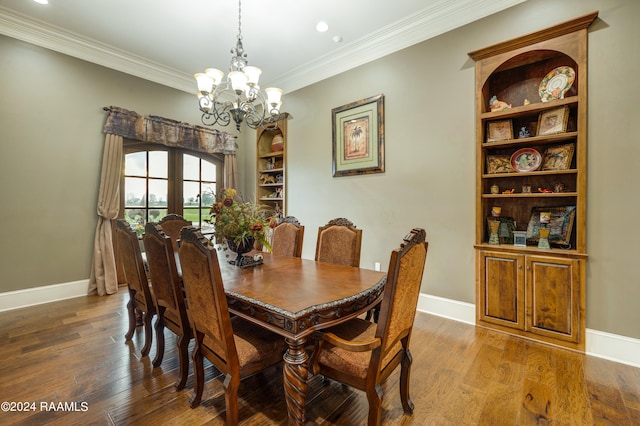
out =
column 553, row 297
column 501, row 282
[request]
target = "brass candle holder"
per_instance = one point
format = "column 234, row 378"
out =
column 494, row 225
column 543, row 241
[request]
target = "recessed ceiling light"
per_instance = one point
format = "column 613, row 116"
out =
column 42, row 1
column 322, row 26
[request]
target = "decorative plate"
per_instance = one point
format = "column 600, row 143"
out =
column 555, row 84
column 526, row 160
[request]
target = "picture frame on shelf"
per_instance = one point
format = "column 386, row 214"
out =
column 501, row 130
column 560, row 223
column 358, row 137
column 520, row 238
column 558, row 157
column 553, row 121
column 499, row 164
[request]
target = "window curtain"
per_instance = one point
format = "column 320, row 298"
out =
column 103, row 279
column 230, row 171
column 121, row 124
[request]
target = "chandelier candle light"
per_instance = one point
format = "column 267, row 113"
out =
column 237, row 97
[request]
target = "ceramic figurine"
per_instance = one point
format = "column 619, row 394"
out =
column 496, row 105
column 524, row 133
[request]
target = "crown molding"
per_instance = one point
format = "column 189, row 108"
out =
column 60, row 40
column 437, row 19
column 426, row 24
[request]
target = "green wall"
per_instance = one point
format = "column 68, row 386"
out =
column 51, row 149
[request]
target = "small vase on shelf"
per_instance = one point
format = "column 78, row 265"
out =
column 277, row 144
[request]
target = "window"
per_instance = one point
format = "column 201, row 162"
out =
column 159, row 180
column 199, row 178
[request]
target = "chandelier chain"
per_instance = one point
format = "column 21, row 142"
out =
column 239, row 19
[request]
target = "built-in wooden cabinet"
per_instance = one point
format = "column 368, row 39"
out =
column 271, row 166
column 532, row 295
column 531, row 157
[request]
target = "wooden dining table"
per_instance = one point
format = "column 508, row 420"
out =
column 295, row 297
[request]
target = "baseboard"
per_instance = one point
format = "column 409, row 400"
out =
column 447, row 308
column 614, row 347
column 45, row 294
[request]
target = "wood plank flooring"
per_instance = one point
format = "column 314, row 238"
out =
column 74, row 352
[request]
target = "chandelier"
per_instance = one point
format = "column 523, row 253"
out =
column 237, row 97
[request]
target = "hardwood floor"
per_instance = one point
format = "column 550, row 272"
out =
column 73, row 351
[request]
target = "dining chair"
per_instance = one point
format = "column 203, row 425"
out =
column 339, row 242
column 168, row 297
column 363, row 354
column 133, row 271
column 171, row 225
column 233, row 345
column 287, row 238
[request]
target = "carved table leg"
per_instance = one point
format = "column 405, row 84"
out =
column 295, row 379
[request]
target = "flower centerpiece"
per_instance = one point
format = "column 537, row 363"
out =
column 238, row 224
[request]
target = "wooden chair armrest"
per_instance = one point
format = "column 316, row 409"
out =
column 348, row 345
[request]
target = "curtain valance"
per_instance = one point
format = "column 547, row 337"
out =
column 131, row 125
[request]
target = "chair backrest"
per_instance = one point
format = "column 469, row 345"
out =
column 171, row 225
column 208, row 310
column 161, row 261
column 130, row 259
column 287, row 238
column 401, row 292
column 339, row 242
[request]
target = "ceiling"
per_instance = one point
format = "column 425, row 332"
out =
column 167, row 41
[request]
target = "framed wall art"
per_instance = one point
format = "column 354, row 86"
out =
column 358, row 137
column 499, row 164
column 499, row 131
column 553, row 121
column 558, row 157
column 560, row 223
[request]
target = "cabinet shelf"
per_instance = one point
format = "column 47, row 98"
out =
column 271, row 170
column 270, row 199
column 531, row 141
column 271, row 185
column 532, row 195
column 529, row 174
column 522, row 111
column 272, row 154
column 510, row 248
